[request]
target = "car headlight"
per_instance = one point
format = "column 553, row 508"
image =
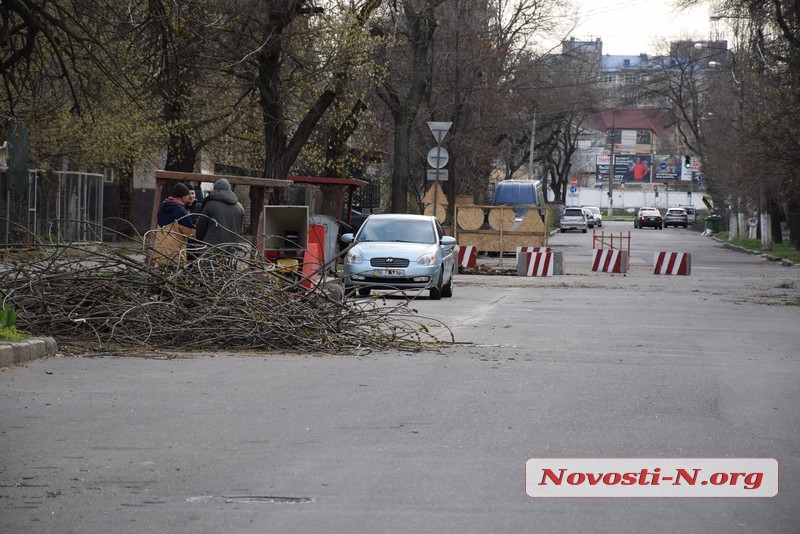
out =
column 354, row 257
column 427, row 259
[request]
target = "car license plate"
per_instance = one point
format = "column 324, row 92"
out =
column 388, row 273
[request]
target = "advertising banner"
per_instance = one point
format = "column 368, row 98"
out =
column 667, row 168
column 627, row 168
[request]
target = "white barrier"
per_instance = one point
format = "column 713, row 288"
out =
column 609, row 261
column 540, row 263
column 467, row 256
column 678, row 263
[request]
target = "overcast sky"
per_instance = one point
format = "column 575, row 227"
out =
column 628, row 27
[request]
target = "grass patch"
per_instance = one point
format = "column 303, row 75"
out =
column 8, row 332
column 11, row 334
column 784, row 250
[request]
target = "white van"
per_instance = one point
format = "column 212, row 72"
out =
column 690, row 212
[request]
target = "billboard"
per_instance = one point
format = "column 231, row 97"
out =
column 627, row 168
column 668, row 167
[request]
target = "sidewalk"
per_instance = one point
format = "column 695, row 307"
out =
column 13, row 352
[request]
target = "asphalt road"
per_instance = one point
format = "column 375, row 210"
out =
column 584, row 365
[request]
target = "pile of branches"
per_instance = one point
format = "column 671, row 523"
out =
column 226, row 298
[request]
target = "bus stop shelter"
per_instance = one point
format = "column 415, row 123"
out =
column 343, row 186
column 167, row 178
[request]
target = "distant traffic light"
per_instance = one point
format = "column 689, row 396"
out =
column 687, row 162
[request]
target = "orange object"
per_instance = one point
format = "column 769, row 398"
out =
column 312, row 264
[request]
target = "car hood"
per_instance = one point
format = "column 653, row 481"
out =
column 401, row 250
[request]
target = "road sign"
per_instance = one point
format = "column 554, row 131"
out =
column 573, row 181
column 442, row 174
column 573, row 189
column 439, row 130
column 438, row 157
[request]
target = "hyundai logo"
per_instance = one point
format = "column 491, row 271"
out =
column 389, row 260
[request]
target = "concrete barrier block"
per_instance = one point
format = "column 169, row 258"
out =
column 6, row 355
column 540, row 263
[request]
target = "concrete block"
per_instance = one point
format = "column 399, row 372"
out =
column 6, row 355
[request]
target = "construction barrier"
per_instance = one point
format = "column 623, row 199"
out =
column 467, row 256
column 540, row 263
column 606, row 260
column 602, row 241
column 679, row 263
column 531, row 249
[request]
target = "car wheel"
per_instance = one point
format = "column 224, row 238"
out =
column 562, row 230
column 584, row 230
column 436, row 290
column 364, row 291
column 447, row 290
column 686, row 226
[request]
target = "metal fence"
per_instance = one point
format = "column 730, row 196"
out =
column 60, row 206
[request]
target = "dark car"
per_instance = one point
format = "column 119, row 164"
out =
column 648, row 217
column 676, row 217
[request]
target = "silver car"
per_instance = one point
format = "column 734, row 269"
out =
column 400, row 251
column 573, row 219
column 596, row 215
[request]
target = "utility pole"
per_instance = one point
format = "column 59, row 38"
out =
column 611, row 171
column 531, row 174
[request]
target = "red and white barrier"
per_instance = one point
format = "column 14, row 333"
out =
column 539, row 264
column 467, row 256
column 533, row 249
column 606, row 260
column 679, row 263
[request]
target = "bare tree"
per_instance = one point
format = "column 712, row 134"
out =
column 766, row 49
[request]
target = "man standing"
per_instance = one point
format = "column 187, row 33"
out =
column 222, row 218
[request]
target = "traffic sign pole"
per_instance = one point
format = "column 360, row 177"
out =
column 439, row 130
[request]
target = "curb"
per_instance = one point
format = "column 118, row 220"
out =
column 13, row 352
column 766, row 256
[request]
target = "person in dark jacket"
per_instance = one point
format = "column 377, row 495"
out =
column 222, row 218
column 175, row 229
column 174, row 208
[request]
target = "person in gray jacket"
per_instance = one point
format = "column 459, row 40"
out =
column 222, row 218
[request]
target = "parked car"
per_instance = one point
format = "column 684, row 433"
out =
column 573, row 219
column 691, row 212
column 597, row 216
column 648, row 217
column 352, row 222
column 524, row 196
column 676, row 217
column 400, row 251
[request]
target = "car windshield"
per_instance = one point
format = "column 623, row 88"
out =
column 573, row 212
column 405, row 231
